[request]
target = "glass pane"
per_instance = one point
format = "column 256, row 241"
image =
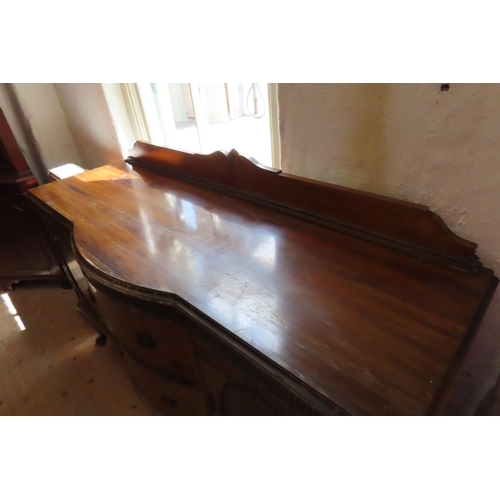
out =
column 238, row 117
column 170, row 115
column 206, row 117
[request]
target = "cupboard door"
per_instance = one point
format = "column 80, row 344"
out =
column 230, row 391
column 158, row 349
column 162, row 343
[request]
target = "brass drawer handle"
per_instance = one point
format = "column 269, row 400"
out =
column 145, row 340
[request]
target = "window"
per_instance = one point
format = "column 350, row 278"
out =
column 206, row 117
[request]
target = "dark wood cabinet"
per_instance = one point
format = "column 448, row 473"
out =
column 234, row 289
column 25, row 253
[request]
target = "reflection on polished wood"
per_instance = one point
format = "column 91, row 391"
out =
column 331, row 314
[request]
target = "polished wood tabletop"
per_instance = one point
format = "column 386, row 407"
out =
column 375, row 330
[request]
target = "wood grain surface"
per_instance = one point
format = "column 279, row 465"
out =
column 375, row 330
column 395, row 223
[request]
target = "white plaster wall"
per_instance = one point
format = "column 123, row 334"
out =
column 50, row 130
column 90, row 123
column 416, row 143
column 119, row 116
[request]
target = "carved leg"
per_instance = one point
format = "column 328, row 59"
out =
column 101, row 340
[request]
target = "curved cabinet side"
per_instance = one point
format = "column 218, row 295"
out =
column 183, row 364
column 60, row 235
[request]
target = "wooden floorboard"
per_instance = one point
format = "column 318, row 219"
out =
column 52, row 366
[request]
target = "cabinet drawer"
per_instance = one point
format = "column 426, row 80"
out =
column 166, row 397
column 162, row 343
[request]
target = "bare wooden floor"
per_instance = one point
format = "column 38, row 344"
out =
column 53, row 367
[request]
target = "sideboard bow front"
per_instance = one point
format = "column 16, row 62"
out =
column 234, row 289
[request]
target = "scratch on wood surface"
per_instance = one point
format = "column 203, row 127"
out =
column 241, row 270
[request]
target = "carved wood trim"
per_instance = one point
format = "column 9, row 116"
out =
column 394, row 223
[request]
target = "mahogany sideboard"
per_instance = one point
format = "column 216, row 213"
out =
column 234, row 289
